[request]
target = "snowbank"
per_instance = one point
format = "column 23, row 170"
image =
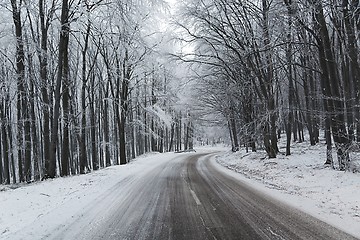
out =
column 53, row 202
column 301, row 180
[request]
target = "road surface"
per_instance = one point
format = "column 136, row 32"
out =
column 187, row 198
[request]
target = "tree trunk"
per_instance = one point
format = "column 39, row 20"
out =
column 101, row 127
column 65, row 152
column 179, row 132
column 5, row 145
column 308, row 103
column 43, row 60
column 63, row 52
column 154, row 146
column 291, row 93
column 354, row 69
column 269, row 79
column 186, row 136
column 21, row 86
column 11, row 145
column 124, row 103
column 94, row 148
column 171, row 136
column 82, row 145
column 146, row 127
column 30, row 127
column 132, row 132
column 328, row 64
column 106, row 134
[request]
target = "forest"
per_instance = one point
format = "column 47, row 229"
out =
column 275, row 66
column 83, row 86
column 89, row 84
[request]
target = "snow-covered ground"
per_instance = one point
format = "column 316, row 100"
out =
column 53, row 202
column 302, row 181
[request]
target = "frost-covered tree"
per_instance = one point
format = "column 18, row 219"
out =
column 84, row 93
column 278, row 51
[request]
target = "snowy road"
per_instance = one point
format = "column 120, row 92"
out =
column 169, row 196
column 187, row 198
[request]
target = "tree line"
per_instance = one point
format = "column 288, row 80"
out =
column 83, row 87
column 271, row 65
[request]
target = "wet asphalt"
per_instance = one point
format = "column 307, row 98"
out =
column 188, row 198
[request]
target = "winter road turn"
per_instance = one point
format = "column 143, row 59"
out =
column 187, row 198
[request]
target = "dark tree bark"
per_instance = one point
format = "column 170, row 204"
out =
column 139, row 129
column 5, row 167
column 65, row 152
column 63, row 52
column 349, row 12
column 106, row 133
column 233, row 130
column 124, row 103
column 101, row 127
column 36, row 145
column 1, row 165
column 105, row 94
column 172, row 133
column 93, row 133
column 43, row 60
column 24, row 145
column 5, row 146
column 329, row 68
column 289, row 67
column 146, row 127
column 272, row 147
column 308, row 85
column 179, row 130
column 154, row 146
column 82, row 145
column 33, row 139
column 161, row 140
column 132, row 129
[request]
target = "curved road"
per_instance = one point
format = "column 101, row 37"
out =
column 187, row 198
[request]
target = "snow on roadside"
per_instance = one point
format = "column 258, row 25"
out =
column 58, row 200
column 302, row 181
